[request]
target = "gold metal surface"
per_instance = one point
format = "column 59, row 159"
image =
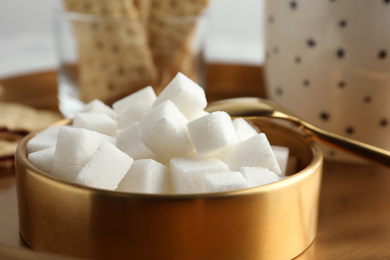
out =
column 257, row 107
column 275, row 221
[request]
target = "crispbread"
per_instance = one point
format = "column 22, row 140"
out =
column 5, row 134
column 171, row 25
column 7, row 152
column 187, row 61
column 143, row 7
column 16, row 121
column 16, row 117
column 149, row 48
column 114, row 59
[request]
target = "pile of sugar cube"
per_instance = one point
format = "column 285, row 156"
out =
column 160, row 144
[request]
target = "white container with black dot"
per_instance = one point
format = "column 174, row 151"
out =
column 329, row 62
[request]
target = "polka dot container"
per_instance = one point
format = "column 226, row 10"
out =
column 329, row 62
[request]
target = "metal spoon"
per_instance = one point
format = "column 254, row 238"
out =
column 256, row 107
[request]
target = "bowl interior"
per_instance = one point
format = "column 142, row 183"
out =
column 300, row 146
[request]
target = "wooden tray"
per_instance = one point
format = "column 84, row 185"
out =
column 354, row 216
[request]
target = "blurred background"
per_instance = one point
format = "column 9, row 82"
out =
column 235, row 34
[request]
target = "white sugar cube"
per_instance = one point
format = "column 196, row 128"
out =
column 97, row 106
column 43, row 159
column 187, row 173
column 133, row 114
column 212, row 132
column 281, row 154
column 198, row 115
column 42, row 140
column 256, row 151
column 65, row 171
column 101, row 123
column 129, row 141
column 224, row 181
column 146, row 94
column 188, row 96
column 76, row 145
column 164, row 130
column 146, row 176
column 106, row 168
column 243, row 129
column 257, row 176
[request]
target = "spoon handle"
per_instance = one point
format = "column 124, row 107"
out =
column 366, row 151
column 257, row 107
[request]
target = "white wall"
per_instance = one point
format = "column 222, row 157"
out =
column 236, row 31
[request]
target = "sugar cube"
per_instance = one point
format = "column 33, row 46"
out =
column 133, row 114
column 106, row 167
column 212, row 132
column 129, row 141
column 44, row 139
column 256, row 151
column 146, row 94
column 65, row 171
column 160, row 144
column 257, row 176
column 281, row 154
column 243, row 129
column 224, row 181
column 97, row 106
column 98, row 122
column 146, row 176
column 43, row 159
column 76, row 145
column 187, row 173
column 164, row 131
column 198, row 115
column 188, row 96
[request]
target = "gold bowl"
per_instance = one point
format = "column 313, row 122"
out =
column 274, row 221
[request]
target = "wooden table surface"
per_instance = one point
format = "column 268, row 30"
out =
column 354, row 214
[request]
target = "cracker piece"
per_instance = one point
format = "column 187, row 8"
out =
column 143, row 7
column 5, row 134
column 20, row 118
column 16, row 121
column 170, row 33
column 7, row 153
column 114, row 58
column 186, row 61
column 82, row 6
